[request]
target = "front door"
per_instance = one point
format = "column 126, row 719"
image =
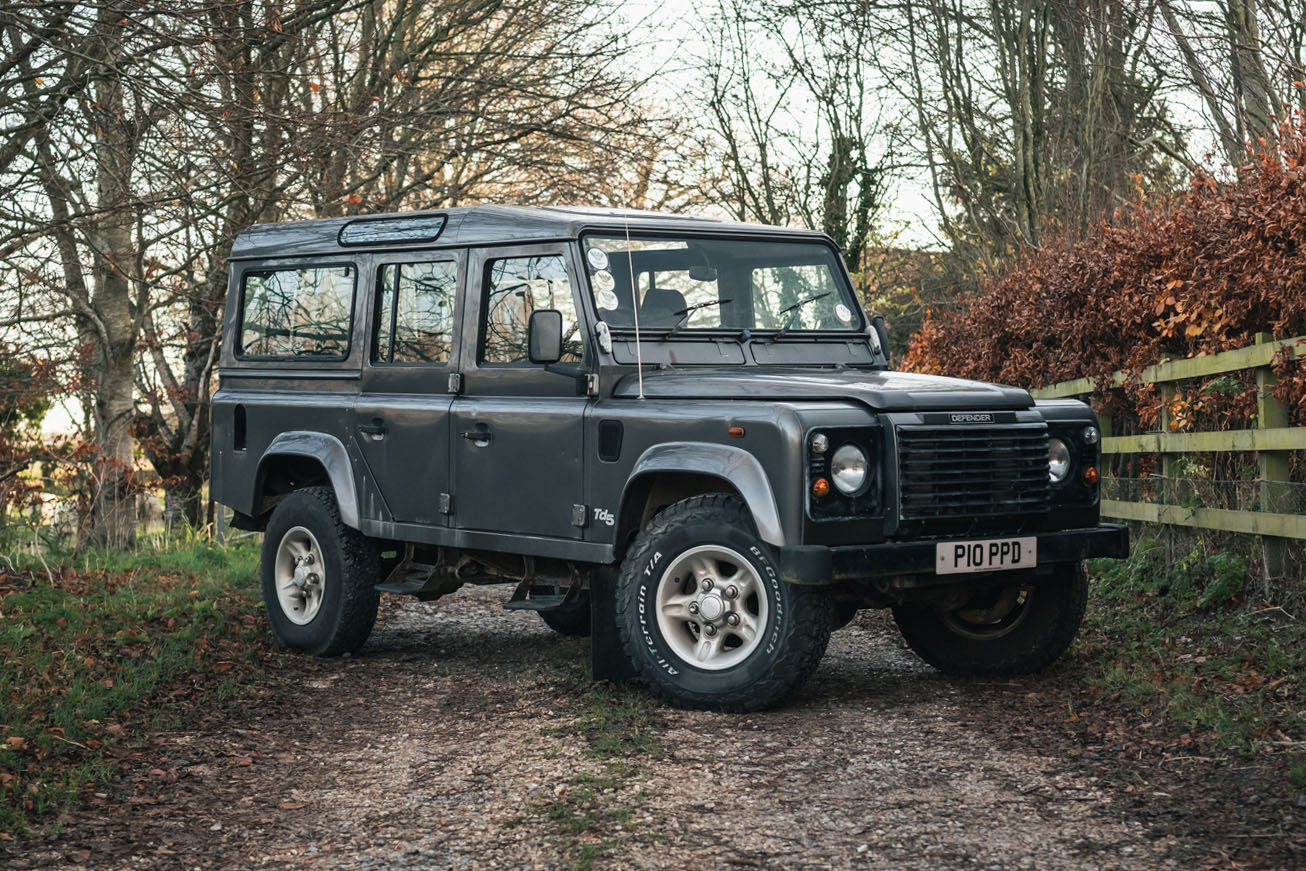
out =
column 518, row 429
column 401, row 419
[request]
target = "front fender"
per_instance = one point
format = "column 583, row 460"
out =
column 330, row 452
column 735, row 466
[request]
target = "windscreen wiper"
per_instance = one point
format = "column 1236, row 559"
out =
column 796, row 309
column 689, row 310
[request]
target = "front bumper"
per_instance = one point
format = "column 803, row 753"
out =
column 805, row 564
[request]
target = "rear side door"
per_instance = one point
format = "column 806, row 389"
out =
column 401, row 419
column 518, row 429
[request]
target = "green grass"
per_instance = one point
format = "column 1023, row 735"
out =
column 620, row 729
column 1181, row 643
column 1297, row 774
column 618, row 723
column 101, row 649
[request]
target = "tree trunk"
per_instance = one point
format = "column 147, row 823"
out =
column 1257, row 104
column 112, row 521
column 113, row 511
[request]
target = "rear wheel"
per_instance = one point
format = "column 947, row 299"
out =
column 704, row 617
column 319, row 576
column 1015, row 628
column 572, row 619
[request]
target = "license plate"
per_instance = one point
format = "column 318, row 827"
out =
column 991, row 555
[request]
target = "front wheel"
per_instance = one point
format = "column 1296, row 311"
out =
column 1016, row 628
column 704, row 617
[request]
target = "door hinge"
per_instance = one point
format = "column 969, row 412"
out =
column 592, row 384
column 455, row 382
column 446, row 503
column 579, row 515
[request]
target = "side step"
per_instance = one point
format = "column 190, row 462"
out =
column 408, row 577
column 544, row 597
column 419, row 576
column 426, row 581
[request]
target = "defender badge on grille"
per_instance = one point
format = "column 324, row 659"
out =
column 951, row 418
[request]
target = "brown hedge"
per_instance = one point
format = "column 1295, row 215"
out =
column 1199, row 272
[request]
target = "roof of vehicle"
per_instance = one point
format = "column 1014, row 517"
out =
column 478, row 225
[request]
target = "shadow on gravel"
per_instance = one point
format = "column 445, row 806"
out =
column 465, row 736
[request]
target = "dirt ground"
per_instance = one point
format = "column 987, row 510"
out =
column 449, row 743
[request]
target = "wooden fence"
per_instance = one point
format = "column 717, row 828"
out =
column 1275, row 517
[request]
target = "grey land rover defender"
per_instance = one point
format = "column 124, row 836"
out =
column 681, row 436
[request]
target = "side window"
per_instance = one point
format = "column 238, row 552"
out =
column 515, row 287
column 297, row 312
column 414, row 312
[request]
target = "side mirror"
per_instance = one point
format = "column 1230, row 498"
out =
column 544, row 334
column 882, row 333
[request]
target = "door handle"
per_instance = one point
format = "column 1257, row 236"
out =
column 477, row 435
column 376, row 429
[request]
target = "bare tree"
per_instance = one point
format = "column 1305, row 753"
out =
column 1032, row 118
column 793, row 127
column 234, row 167
column 144, row 137
column 1221, row 51
column 74, row 209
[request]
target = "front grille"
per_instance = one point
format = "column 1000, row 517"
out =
column 956, row 476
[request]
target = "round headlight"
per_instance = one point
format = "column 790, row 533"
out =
column 1058, row 460
column 848, row 469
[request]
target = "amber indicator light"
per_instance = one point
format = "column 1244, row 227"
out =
column 820, row 488
column 1090, row 475
column 736, row 432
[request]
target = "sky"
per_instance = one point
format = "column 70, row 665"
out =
column 674, row 31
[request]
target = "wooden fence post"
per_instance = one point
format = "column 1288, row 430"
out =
column 1170, row 491
column 1271, row 414
column 1104, row 426
column 1169, row 468
column 1104, row 423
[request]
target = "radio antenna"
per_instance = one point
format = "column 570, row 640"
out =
column 634, row 301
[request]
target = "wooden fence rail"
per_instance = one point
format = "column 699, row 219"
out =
column 1272, row 439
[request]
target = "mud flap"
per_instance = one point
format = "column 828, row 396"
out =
column 608, row 660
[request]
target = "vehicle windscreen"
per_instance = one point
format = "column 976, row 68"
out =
column 713, row 284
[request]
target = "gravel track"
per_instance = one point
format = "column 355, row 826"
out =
column 438, row 745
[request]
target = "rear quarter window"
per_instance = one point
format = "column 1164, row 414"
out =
column 302, row 312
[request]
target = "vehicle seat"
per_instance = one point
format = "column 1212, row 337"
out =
column 661, row 307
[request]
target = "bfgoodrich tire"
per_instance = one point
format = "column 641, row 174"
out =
column 319, row 576
column 1014, row 629
column 704, row 617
